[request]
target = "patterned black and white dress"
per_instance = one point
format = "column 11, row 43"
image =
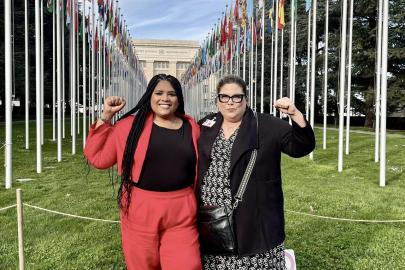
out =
column 216, row 190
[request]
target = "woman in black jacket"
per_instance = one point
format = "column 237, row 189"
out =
column 225, row 146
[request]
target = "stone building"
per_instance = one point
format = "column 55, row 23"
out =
column 165, row 56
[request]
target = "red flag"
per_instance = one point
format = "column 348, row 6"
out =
column 254, row 32
column 230, row 26
column 223, row 32
column 236, row 12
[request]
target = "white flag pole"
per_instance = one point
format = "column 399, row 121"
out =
column 84, row 74
column 38, row 82
column 93, row 63
column 99, row 76
column 27, row 78
column 63, row 72
column 59, row 62
column 8, row 89
column 292, row 59
column 378, row 83
column 73, row 97
column 308, row 67
column 314, row 47
column 262, row 69
column 384, row 62
column 281, row 65
column 325, row 74
column 349, row 77
column 342, row 84
column 42, row 72
column 271, row 70
column 295, row 57
column 53, row 71
column 251, row 75
column 275, row 58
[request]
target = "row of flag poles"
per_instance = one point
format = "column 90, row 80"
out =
column 231, row 48
column 108, row 65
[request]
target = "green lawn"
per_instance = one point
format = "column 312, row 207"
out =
column 56, row 242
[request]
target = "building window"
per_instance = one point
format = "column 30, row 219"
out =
column 182, row 65
column 161, row 65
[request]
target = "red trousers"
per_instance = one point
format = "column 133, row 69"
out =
column 160, row 231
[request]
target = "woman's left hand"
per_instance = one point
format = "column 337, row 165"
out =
column 285, row 105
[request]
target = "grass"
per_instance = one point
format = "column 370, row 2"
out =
column 56, row 242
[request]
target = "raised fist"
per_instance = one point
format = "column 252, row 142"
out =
column 112, row 105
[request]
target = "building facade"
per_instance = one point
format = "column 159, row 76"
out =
column 165, row 56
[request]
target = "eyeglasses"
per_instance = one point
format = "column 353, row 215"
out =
column 235, row 98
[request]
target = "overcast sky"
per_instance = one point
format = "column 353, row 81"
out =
column 172, row 19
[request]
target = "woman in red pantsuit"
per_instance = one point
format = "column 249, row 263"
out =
column 156, row 156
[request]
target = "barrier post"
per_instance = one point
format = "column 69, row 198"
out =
column 20, row 230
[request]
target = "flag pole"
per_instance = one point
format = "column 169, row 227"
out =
column 378, row 83
column 325, row 74
column 27, row 77
column 84, row 86
column 281, row 65
column 292, row 59
column 42, row 72
column 93, row 60
column 308, row 67
column 349, row 78
column 8, row 97
column 59, row 79
column 342, row 84
column 73, row 97
column 262, row 69
column 311, row 155
column 275, row 59
column 384, row 59
column 63, row 72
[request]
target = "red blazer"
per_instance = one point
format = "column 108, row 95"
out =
column 105, row 145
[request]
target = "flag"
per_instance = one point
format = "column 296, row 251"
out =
column 270, row 18
column 230, row 25
column 236, row 12
column 261, row 4
column 76, row 16
column 68, row 14
column 308, row 5
column 49, row 5
column 281, row 20
column 250, row 9
column 111, row 20
column 244, row 14
column 254, row 29
column 223, row 32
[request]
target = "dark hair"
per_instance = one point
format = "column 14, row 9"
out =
column 227, row 79
column 142, row 109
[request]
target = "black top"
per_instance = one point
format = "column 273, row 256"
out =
column 170, row 159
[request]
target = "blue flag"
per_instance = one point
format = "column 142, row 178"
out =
column 308, row 5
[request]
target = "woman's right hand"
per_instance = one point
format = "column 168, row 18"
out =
column 112, row 105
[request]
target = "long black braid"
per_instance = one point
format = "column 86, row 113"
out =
column 141, row 109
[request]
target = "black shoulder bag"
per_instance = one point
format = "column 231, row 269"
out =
column 215, row 223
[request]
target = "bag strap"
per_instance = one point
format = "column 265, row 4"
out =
column 248, row 172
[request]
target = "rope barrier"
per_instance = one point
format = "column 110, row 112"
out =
column 7, row 207
column 70, row 215
column 289, row 211
column 347, row 219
